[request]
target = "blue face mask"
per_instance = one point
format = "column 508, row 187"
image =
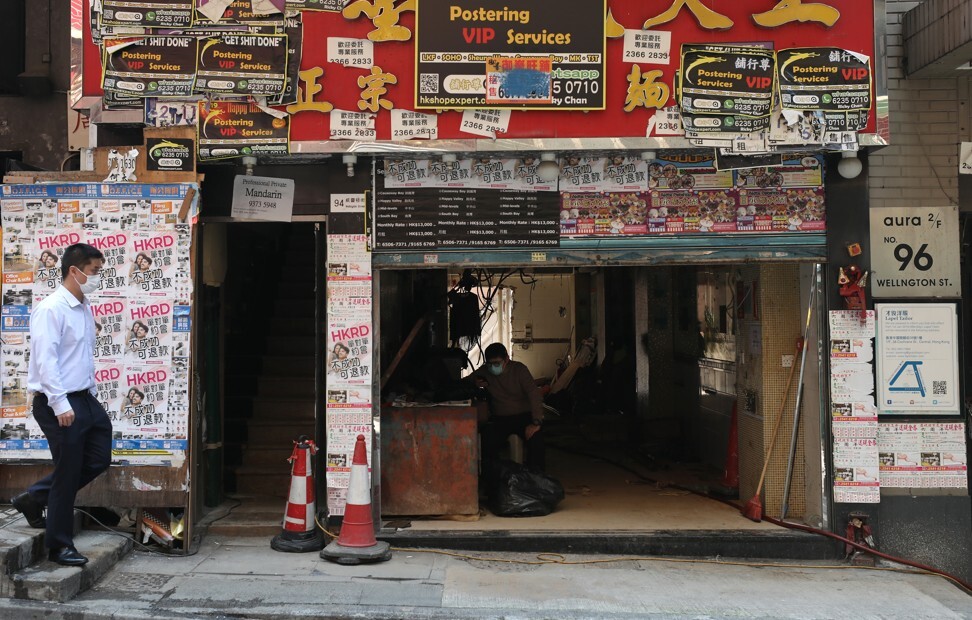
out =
column 496, row 369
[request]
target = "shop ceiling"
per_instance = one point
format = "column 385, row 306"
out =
column 938, row 38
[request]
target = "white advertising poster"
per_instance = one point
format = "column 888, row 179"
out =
column 408, row 125
column 917, row 359
column 923, row 455
column 348, row 259
column 349, row 348
column 349, row 373
column 854, row 420
column 856, row 350
column 851, row 382
column 114, row 244
column 49, row 246
column 850, row 324
column 944, row 460
column 856, row 471
column 148, row 331
column 348, row 300
column 899, row 453
column 110, row 315
column 152, row 263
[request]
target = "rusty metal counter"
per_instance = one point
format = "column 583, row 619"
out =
column 429, row 461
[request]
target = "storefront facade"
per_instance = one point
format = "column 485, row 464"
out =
column 431, row 137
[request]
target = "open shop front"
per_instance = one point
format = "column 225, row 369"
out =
column 657, row 356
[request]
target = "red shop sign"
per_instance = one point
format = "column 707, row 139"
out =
column 633, row 89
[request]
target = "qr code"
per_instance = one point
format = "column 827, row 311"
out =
column 429, row 84
column 939, row 388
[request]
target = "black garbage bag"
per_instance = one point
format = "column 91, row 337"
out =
column 516, row 491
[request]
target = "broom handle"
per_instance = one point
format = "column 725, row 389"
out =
column 779, row 418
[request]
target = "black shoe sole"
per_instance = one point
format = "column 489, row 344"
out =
column 37, row 522
column 73, row 564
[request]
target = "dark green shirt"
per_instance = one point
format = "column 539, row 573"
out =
column 513, row 391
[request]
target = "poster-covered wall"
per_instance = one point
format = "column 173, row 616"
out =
column 503, row 202
column 382, row 70
column 142, row 311
column 349, row 355
column 854, row 417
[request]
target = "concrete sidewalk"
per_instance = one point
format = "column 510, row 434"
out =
column 244, row 578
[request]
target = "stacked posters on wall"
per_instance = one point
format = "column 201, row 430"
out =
column 141, row 312
column 923, row 455
column 854, row 420
column 349, row 361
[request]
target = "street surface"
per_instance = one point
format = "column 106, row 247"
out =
column 244, row 578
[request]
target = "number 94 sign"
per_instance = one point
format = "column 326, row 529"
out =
column 915, row 252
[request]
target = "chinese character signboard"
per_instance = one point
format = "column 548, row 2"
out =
column 600, row 69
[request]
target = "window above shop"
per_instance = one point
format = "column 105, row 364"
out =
column 13, row 36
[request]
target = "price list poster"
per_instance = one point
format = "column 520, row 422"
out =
column 854, row 418
column 349, row 355
column 465, row 204
column 141, row 311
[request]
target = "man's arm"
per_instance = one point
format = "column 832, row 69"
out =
column 45, row 339
column 530, row 388
column 478, row 377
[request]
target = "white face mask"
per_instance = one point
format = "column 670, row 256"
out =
column 92, row 284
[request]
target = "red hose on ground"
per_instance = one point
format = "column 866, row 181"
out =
column 965, row 585
column 806, row 528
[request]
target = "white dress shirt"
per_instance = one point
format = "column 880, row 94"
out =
column 62, row 340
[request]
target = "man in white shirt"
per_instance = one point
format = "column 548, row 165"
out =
column 61, row 379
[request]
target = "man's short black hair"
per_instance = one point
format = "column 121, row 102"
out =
column 79, row 255
column 495, row 351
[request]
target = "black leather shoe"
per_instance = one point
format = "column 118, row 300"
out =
column 32, row 511
column 66, row 556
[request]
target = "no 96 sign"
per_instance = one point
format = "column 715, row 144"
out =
column 915, row 252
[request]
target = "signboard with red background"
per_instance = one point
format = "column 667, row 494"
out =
column 853, row 30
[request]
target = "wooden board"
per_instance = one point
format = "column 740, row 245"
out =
column 121, row 486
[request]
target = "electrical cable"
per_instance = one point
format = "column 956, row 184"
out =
column 135, row 540
column 925, row 569
column 149, row 549
column 557, row 558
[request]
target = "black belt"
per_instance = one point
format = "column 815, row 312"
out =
column 78, row 393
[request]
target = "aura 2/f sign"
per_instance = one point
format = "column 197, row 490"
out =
column 915, row 252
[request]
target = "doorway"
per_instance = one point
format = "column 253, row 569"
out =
column 640, row 434
column 267, row 348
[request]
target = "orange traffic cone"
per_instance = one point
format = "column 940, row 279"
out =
column 729, row 486
column 357, row 542
column 300, row 533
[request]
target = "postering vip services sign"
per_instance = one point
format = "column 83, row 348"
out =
column 534, row 55
column 915, row 252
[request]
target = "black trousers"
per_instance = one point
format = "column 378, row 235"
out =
column 81, row 453
column 498, row 428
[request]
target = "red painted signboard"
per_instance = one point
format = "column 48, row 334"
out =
column 634, row 90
